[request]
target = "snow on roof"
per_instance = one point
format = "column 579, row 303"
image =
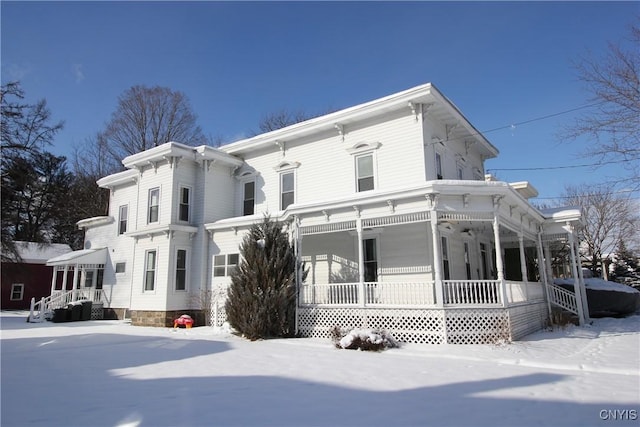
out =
column 564, row 212
column 39, row 253
column 599, row 285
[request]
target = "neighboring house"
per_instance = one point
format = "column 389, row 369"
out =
column 29, row 278
column 389, row 207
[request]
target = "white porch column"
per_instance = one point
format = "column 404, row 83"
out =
column 523, row 266
column 361, row 299
column 498, row 246
column 64, row 278
column 75, row 281
column 297, row 250
column 437, row 250
column 577, row 286
column 543, row 272
column 53, row 279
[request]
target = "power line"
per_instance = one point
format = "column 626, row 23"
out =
column 592, row 195
column 548, row 116
column 565, row 166
column 513, row 125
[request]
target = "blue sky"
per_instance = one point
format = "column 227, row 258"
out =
column 501, row 63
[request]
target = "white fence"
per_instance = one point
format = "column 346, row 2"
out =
column 481, row 293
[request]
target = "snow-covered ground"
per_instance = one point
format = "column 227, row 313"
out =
column 109, row 373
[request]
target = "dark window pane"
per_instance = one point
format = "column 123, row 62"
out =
column 365, row 184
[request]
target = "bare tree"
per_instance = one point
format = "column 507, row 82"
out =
column 283, row 118
column 147, row 117
column 25, row 130
column 609, row 219
column 613, row 123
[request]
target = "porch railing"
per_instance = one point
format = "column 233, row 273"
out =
column 563, row 298
column 422, row 294
column 60, row 299
column 471, row 292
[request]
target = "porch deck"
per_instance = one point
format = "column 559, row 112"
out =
column 468, row 311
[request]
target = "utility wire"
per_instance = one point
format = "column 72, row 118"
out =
column 564, row 167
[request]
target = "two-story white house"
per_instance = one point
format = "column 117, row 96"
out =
column 387, row 202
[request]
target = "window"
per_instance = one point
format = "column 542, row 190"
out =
column 439, row 166
column 467, row 261
column 154, row 205
column 364, row 172
column 120, row 267
column 249, row 198
column 445, row 259
column 150, row 271
column 232, row 263
column 183, row 209
column 88, row 279
column 17, row 291
column 225, row 265
column 370, row 260
column 122, row 219
column 460, row 172
column 287, row 189
column 181, row 270
column 485, row 261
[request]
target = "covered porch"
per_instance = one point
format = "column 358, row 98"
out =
column 449, row 266
column 77, row 276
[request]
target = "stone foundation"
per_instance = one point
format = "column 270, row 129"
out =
column 114, row 313
column 164, row 318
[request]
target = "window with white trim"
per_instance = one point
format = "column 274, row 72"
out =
column 287, row 189
column 184, row 206
column 369, row 251
column 445, row 259
column 123, row 214
column 460, row 171
column 467, row 260
column 181, row 270
column 249, row 198
column 120, row 267
column 364, row 173
column 439, row 174
column 17, row 291
column 150, row 270
column 225, row 265
column 153, row 205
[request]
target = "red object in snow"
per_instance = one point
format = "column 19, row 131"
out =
column 185, row 320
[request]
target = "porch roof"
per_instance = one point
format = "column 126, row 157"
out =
column 83, row 256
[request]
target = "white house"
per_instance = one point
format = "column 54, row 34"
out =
column 389, row 207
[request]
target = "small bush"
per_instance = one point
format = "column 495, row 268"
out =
column 362, row 339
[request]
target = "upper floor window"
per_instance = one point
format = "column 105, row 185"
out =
column 150, row 271
column 287, row 189
column 363, row 153
column 181, row 269
column 364, row 172
column 439, row 174
column 184, row 207
column 122, row 219
column 249, row 198
column 154, row 205
column 460, row 172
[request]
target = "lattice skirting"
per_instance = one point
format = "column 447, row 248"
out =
column 97, row 311
column 217, row 314
column 429, row 326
